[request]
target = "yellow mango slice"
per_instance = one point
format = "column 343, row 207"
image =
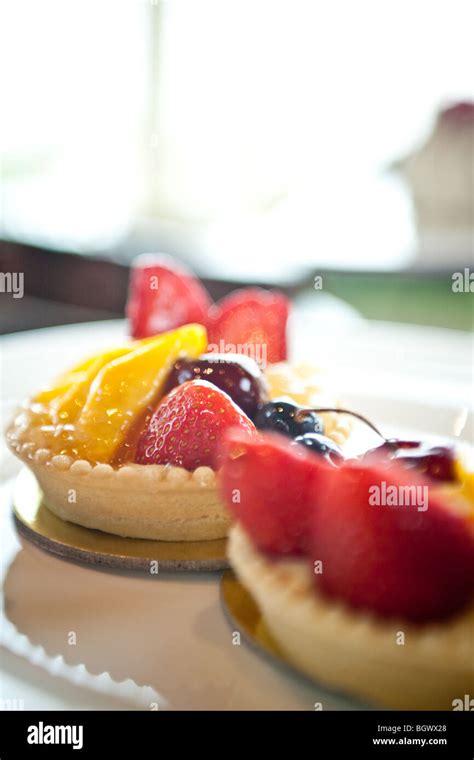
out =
column 125, row 386
column 85, row 371
column 67, row 405
column 63, row 382
column 466, row 477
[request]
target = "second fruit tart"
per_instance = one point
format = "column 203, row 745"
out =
column 364, row 592
column 129, row 441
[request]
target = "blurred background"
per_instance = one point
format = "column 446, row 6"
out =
column 259, row 141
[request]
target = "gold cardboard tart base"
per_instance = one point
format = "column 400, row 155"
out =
column 94, row 547
column 246, row 616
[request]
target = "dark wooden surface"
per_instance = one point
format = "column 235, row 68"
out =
column 62, row 288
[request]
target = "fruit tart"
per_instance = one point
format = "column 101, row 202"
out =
column 129, row 441
column 362, row 569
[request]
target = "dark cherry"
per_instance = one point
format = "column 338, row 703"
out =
column 436, row 462
column 238, row 375
column 287, row 418
column 322, row 446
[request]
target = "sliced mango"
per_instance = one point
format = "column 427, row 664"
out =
column 63, row 382
column 66, row 406
column 466, row 477
column 82, row 373
column 86, row 370
column 126, row 385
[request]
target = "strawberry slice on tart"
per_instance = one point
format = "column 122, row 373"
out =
column 251, row 320
column 188, row 426
column 267, row 486
column 390, row 543
column 163, row 295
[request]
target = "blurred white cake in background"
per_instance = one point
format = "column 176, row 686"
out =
column 440, row 175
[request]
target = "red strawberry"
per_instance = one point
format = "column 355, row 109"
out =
column 266, row 484
column 164, row 295
column 186, row 429
column 392, row 560
column 250, row 317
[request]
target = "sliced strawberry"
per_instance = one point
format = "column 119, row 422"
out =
column 399, row 561
column 163, row 295
column 266, row 484
column 251, row 321
column 187, row 428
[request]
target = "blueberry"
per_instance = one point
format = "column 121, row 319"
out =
column 322, row 446
column 287, row 418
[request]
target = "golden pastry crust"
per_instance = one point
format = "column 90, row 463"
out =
column 138, row 501
column 353, row 651
column 159, row 502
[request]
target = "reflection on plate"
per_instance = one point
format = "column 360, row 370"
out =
column 246, row 617
column 64, row 539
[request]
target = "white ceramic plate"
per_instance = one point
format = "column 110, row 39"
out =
column 164, row 642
